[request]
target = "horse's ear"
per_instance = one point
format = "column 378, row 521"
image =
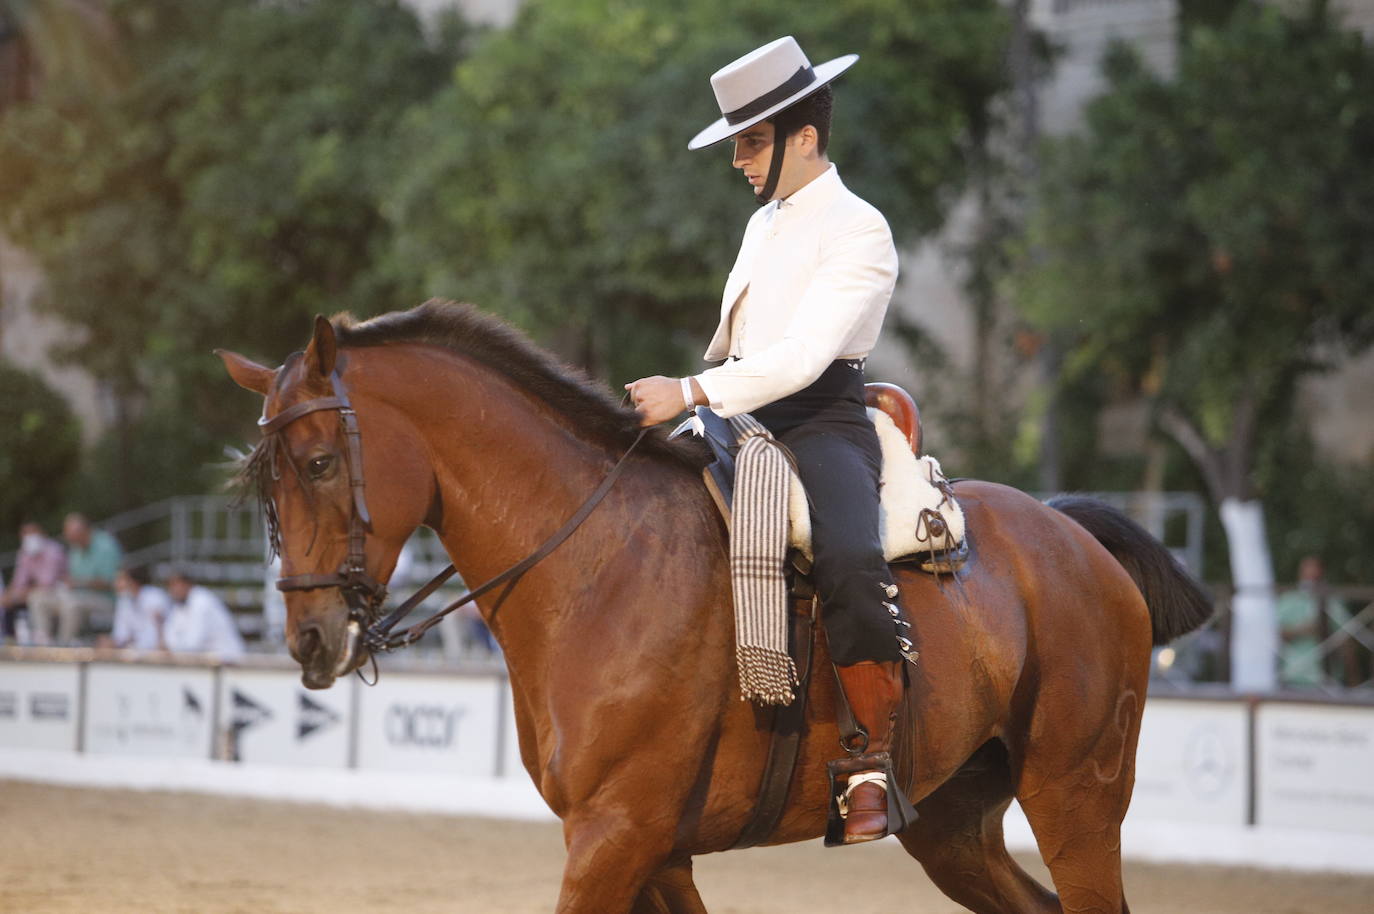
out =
column 246, row 373
column 323, row 348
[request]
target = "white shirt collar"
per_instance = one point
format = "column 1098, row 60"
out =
column 812, row 195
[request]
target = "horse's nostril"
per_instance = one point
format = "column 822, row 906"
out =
column 308, row 643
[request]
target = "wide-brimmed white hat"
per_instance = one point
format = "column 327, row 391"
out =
column 762, row 83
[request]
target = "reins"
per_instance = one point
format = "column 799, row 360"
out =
column 363, row 594
column 377, row 637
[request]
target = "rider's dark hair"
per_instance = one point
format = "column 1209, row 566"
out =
column 815, row 110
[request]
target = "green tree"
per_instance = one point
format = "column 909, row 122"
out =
column 74, row 41
column 551, row 181
column 223, row 196
column 39, row 449
column 1205, row 240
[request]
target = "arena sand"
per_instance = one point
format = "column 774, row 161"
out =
column 120, row 852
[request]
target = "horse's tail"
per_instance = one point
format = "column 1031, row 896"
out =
column 1177, row 603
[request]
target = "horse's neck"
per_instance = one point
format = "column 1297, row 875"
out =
column 509, row 474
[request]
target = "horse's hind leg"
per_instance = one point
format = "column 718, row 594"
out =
column 670, row 891
column 958, row 839
column 1075, row 800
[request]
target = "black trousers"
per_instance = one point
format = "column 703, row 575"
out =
column 840, row 464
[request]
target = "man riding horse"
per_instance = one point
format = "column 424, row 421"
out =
column 802, row 309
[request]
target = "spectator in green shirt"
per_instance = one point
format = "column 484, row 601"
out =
column 93, row 558
column 1303, row 630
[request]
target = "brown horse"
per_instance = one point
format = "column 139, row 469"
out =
column 620, row 644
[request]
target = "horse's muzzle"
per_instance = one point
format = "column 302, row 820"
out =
column 321, row 665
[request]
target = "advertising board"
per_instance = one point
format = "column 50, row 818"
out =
column 510, row 765
column 39, row 705
column 1313, row 765
column 268, row 716
column 149, row 710
column 1192, row 762
column 417, row 722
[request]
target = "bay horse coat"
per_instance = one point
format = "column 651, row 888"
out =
column 620, row 644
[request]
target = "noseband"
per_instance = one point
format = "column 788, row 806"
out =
column 363, row 594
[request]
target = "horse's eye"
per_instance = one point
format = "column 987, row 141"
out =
column 319, row 466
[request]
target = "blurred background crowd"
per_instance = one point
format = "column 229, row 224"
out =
column 1134, row 239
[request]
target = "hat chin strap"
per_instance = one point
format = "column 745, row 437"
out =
column 770, row 186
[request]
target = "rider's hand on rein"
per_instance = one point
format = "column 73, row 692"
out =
column 658, row 399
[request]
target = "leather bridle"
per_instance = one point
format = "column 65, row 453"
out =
column 362, row 592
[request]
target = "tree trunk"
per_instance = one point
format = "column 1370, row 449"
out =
column 1254, row 619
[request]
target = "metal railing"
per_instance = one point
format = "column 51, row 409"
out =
column 1326, row 645
column 1176, row 519
column 222, row 544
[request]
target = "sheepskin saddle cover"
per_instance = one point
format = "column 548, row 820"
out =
column 918, row 516
column 914, row 493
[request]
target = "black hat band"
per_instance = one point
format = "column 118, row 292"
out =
column 798, row 81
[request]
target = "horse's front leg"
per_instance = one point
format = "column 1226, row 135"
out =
column 613, row 849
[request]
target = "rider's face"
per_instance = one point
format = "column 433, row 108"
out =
column 754, row 156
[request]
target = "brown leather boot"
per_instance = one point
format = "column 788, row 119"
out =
column 874, row 691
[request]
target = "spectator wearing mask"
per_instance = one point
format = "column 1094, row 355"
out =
column 140, row 612
column 93, row 558
column 199, row 622
column 38, row 575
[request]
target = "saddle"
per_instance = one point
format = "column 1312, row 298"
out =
column 920, row 520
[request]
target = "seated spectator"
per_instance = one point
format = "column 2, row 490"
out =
column 1307, row 616
column 38, row 575
column 199, row 622
column 92, row 561
column 140, row 612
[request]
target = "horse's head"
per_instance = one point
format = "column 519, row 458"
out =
column 339, row 534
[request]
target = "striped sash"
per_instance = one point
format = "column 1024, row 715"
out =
column 758, row 549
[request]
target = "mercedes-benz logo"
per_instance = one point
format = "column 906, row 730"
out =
column 1208, row 763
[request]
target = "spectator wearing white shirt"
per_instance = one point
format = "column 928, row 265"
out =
column 199, row 622
column 140, row 611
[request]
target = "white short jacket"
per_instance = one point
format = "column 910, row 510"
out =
column 819, row 269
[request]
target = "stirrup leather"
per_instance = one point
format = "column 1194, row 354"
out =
column 866, row 777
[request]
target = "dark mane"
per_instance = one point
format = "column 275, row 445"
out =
column 499, row 346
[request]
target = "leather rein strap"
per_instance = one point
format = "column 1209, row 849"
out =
column 363, row 594
column 378, row 637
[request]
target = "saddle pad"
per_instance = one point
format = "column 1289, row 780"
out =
column 910, row 487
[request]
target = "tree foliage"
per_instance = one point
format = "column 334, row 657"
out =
column 1206, row 237
column 263, row 162
column 39, row 449
column 224, row 195
column 551, row 180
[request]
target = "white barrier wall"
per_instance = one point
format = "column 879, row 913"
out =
column 420, row 722
column 509, row 764
column 1222, row 763
column 1192, row 764
column 149, row 710
column 1315, row 767
column 39, row 705
column 267, row 716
